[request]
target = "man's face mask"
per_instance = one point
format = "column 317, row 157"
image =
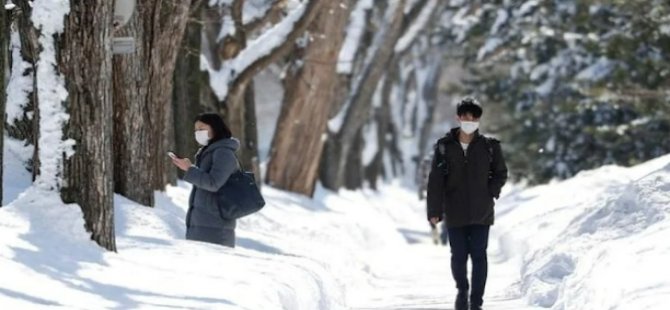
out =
column 469, row 126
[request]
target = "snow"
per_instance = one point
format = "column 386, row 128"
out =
column 596, row 241
column 501, row 19
column 526, row 8
column 255, row 9
column 220, row 2
column 16, row 177
column 227, row 27
column 256, row 49
column 20, row 83
column 599, row 70
column 415, row 28
column 665, row 29
column 546, row 87
column 48, row 16
column 354, row 33
column 490, row 46
column 370, row 149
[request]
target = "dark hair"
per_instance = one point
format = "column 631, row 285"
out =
column 219, row 128
column 471, row 106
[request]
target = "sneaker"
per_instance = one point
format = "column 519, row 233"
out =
column 461, row 301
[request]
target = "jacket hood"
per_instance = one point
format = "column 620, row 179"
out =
column 232, row 144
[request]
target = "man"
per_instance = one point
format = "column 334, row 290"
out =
column 467, row 173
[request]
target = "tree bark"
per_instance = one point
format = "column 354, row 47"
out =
column 86, row 61
column 26, row 128
column 354, row 171
column 360, row 100
column 429, row 92
column 143, row 114
column 4, row 35
column 189, row 82
column 298, row 142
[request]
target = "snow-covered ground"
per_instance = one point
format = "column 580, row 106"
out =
column 598, row 241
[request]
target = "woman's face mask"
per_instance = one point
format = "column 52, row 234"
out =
column 202, row 136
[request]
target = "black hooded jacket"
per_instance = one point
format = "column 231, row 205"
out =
column 462, row 187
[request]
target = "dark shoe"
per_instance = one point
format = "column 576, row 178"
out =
column 473, row 307
column 461, row 301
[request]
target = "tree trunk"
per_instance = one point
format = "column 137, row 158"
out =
column 26, row 128
column 251, row 133
column 4, row 36
column 86, row 61
column 143, row 115
column 354, row 171
column 189, row 82
column 429, row 92
column 358, row 109
column 298, row 142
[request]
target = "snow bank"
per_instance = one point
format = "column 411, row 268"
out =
column 297, row 253
column 597, row 241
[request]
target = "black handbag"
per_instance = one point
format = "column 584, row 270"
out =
column 239, row 196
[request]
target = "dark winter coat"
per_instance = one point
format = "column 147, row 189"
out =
column 461, row 188
column 214, row 164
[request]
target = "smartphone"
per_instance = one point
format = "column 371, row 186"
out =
column 172, row 155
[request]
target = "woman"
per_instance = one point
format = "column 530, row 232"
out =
column 215, row 162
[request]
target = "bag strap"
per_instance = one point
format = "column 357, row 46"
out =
column 239, row 164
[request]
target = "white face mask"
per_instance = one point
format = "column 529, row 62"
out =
column 202, row 136
column 469, row 127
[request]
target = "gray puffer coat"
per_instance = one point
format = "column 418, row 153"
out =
column 214, row 165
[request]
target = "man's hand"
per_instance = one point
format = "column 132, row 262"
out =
column 434, row 220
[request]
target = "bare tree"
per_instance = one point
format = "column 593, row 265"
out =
column 143, row 115
column 86, row 62
column 310, row 93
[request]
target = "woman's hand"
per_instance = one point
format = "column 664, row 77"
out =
column 182, row 163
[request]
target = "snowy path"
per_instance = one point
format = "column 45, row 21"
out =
column 422, row 280
column 417, row 274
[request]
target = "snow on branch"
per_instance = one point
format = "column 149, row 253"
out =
column 20, row 83
column 355, row 31
column 220, row 80
column 335, row 124
column 48, row 17
column 424, row 17
column 256, row 9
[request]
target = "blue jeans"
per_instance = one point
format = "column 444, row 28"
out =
column 470, row 241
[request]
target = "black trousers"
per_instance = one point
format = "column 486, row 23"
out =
column 470, row 241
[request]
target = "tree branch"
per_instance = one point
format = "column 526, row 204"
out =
column 273, row 16
column 280, row 51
